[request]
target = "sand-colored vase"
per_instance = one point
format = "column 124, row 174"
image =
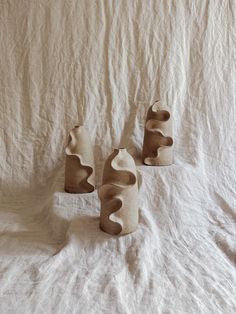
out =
column 119, row 194
column 158, row 141
column 79, row 169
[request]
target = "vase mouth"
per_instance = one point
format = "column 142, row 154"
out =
column 120, row 149
column 77, row 126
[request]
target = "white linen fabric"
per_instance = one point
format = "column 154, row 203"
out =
column 101, row 64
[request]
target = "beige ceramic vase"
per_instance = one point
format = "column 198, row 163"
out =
column 158, row 142
column 119, row 194
column 79, row 170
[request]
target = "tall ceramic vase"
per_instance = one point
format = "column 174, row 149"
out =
column 158, row 142
column 119, row 194
column 79, row 170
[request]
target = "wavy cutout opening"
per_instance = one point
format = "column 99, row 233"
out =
column 108, row 218
column 71, row 152
column 158, row 141
column 165, row 140
column 161, row 115
column 111, row 196
column 122, row 177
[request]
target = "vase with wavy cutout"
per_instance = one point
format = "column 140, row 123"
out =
column 119, row 194
column 158, row 141
column 79, row 169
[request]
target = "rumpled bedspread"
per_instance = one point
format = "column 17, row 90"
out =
column 101, row 64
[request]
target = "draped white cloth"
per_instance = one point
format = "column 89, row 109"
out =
column 101, row 64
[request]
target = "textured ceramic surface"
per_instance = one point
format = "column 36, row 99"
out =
column 158, row 141
column 79, row 170
column 119, row 194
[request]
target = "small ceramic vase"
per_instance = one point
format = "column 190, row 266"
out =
column 158, row 142
column 119, row 194
column 79, row 170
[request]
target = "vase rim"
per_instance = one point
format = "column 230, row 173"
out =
column 120, row 148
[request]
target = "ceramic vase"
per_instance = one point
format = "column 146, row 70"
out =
column 79, row 169
column 119, row 194
column 158, row 142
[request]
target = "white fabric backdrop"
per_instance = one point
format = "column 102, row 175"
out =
column 102, row 63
